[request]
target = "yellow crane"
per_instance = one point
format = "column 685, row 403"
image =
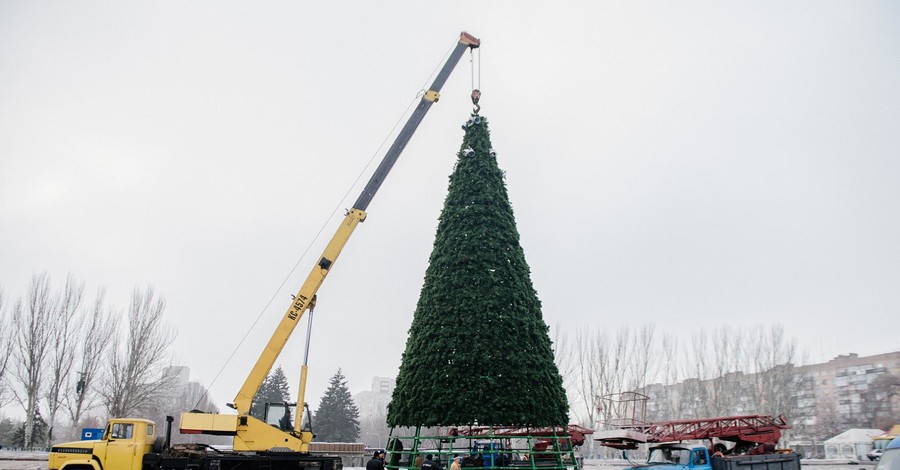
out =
column 250, row 433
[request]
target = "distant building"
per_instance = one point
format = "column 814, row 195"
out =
column 849, row 391
column 820, row 400
column 372, row 405
column 851, row 444
column 181, row 375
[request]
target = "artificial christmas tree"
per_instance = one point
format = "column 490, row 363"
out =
column 478, row 350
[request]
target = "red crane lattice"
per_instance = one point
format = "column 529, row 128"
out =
column 753, row 429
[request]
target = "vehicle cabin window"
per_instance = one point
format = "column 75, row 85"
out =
column 699, row 457
column 890, row 460
column 150, row 429
column 122, row 431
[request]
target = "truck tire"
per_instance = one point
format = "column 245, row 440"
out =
column 79, row 466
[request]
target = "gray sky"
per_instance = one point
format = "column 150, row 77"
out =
column 689, row 164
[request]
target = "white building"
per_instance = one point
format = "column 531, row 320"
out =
column 852, row 444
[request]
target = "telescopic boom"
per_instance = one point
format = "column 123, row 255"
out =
column 248, row 434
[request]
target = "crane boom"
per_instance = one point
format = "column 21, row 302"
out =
column 750, row 429
column 356, row 215
column 249, row 436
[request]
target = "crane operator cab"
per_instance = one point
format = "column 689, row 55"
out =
column 281, row 416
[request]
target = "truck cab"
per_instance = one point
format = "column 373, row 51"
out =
column 677, row 457
column 124, row 443
column 696, row 457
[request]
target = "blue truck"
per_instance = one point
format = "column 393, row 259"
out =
column 696, row 457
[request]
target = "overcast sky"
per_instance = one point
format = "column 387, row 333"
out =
column 687, row 164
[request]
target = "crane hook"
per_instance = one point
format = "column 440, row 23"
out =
column 476, row 95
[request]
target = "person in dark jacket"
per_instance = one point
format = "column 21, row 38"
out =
column 377, row 462
column 430, row 464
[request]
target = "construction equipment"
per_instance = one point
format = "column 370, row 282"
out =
column 747, row 431
column 697, row 457
column 577, row 434
column 257, row 443
column 754, row 436
column 494, row 447
column 627, row 427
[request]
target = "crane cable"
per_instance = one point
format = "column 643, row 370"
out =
column 334, row 211
column 476, row 86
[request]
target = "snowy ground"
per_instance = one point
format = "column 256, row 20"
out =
column 11, row 460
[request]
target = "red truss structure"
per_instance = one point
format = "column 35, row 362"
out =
column 748, row 429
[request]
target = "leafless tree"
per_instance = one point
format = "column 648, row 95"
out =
column 716, row 367
column 64, row 326
column 138, row 374
column 94, row 342
column 773, row 355
column 642, row 364
column 591, row 352
column 828, row 421
column 32, row 329
column 607, row 366
column 187, row 396
column 878, row 400
column 670, row 373
column 563, row 356
column 5, row 349
column 693, row 392
column 728, row 364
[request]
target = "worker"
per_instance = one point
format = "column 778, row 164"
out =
column 377, row 461
column 286, row 423
column 455, row 465
column 430, row 464
column 719, row 449
column 396, row 448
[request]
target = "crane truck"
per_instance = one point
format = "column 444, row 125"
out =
column 754, row 438
column 274, row 442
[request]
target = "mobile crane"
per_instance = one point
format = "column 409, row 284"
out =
column 754, row 438
column 132, row 443
column 746, row 431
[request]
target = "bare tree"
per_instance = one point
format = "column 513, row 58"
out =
column 694, row 392
column 716, row 363
column 728, row 361
column 774, row 381
column 642, row 366
column 32, row 325
column 613, row 376
column 591, row 352
column 828, row 421
column 5, row 349
column 609, row 366
column 94, row 341
column 138, row 374
column 878, row 400
column 65, row 324
column 670, row 373
column 563, row 356
column 183, row 397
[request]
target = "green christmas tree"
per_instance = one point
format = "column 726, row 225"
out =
column 478, row 349
column 337, row 418
column 273, row 390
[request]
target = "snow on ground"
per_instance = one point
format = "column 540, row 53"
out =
column 15, row 460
